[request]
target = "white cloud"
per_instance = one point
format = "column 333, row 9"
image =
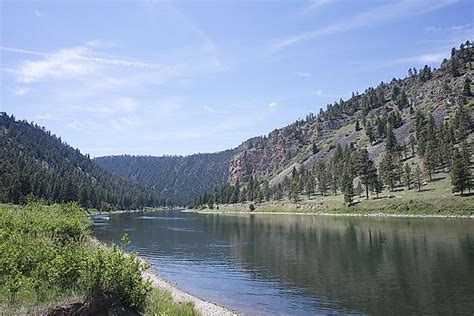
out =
column 78, row 59
column 99, row 43
column 38, row 13
column 65, row 64
column 272, row 105
column 304, row 74
column 380, row 14
column 450, row 28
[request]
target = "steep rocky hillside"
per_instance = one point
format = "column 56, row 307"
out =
column 178, row 178
column 300, row 144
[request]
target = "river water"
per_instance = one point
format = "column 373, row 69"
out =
column 307, row 264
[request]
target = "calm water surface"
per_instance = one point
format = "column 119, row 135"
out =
column 300, row 264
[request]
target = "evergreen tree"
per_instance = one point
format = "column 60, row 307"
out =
column 391, row 141
column 467, row 87
column 418, row 177
column 366, row 170
column 368, row 133
column 348, row 188
column 460, row 173
column 359, row 189
column 407, row 175
column 387, row 170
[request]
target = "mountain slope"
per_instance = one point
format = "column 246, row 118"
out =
column 302, row 143
column 179, row 179
column 33, row 161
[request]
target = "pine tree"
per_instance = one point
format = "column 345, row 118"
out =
column 387, row 170
column 368, row 133
column 418, row 177
column 348, row 188
column 460, row 173
column 467, row 87
column 359, row 189
column 378, row 186
column 366, row 170
column 407, row 175
column 391, row 140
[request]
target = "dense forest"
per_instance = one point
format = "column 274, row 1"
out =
column 396, row 135
column 35, row 162
column 180, row 179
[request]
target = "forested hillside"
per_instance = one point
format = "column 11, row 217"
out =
column 397, row 137
column 34, row 161
column 179, row 179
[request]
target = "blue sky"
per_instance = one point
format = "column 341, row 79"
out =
column 180, row 77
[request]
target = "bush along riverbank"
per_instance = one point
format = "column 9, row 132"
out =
column 49, row 264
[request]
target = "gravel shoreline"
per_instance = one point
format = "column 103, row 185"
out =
column 202, row 306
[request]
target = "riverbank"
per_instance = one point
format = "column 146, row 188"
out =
column 51, row 265
column 375, row 208
column 178, row 295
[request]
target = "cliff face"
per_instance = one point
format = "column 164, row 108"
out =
column 300, row 144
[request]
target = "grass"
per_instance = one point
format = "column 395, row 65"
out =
column 48, row 258
column 160, row 302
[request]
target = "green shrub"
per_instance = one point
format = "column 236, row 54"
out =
column 47, row 256
column 113, row 273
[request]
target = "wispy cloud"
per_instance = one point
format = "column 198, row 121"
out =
column 38, row 13
column 457, row 27
column 272, row 105
column 81, row 53
column 315, row 5
column 213, row 110
column 420, row 59
column 304, row 74
column 381, row 14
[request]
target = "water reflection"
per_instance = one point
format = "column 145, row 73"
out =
column 307, row 264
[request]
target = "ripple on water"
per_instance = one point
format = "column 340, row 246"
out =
column 164, row 218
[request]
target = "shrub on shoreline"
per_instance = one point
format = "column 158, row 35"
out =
column 48, row 257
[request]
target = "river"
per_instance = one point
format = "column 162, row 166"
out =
column 307, row 264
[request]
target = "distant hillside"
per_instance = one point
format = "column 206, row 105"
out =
column 33, row 161
column 179, row 179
